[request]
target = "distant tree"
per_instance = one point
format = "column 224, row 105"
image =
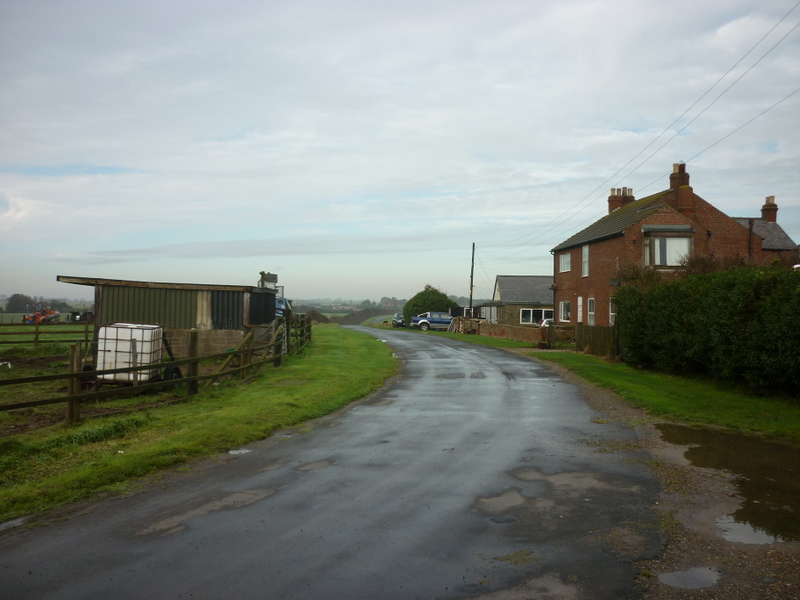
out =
column 428, row 299
column 58, row 305
column 18, row 303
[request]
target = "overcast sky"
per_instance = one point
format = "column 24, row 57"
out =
column 359, row 148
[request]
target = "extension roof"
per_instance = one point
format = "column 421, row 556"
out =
column 775, row 238
column 523, row 289
column 615, row 224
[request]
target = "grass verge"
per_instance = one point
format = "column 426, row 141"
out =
column 57, row 465
column 691, row 401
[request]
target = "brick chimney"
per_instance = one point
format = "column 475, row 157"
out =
column 679, row 180
column 619, row 197
column 769, row 212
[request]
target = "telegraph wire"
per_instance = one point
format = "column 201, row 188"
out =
column 557, row 220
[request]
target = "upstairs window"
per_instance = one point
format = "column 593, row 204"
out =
column 666, row 251
column 564, row 263
column 667, row 245
column 585, row 261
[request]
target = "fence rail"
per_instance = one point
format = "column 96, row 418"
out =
column 38, row 331
column 243, row 361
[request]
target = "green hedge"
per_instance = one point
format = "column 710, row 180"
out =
column 741, row 325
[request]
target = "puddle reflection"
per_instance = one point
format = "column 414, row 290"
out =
column 767, row 477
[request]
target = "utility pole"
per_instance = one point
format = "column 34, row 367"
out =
column 471, row 273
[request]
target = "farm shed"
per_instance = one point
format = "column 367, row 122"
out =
column 222, row 314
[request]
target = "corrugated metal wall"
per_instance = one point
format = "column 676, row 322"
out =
column 262, row 307
column 227, row 310
column 170, row 308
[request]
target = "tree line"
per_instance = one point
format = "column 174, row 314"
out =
column 21, row 303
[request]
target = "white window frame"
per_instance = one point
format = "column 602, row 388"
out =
column 564, row 262
column 612, row 313
column 590, row 311
column 536, row 315
column 580, row 309
column 585, row 261
column 564, row 314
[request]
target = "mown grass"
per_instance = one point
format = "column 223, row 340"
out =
column 58, row 465
column 687, row 400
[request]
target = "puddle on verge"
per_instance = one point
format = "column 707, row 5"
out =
column 767, row 476
column 693, row 579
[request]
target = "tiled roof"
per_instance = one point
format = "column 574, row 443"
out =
column 775, row 238
column 523, row 289
column 615, row 223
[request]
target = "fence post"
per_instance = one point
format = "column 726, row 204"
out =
column 280, row 346
column 36, row 336
column 192, row 369
column 74, row 406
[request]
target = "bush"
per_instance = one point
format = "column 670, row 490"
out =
column 428, row 299
column 738, row 325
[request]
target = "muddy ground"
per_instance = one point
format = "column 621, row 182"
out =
column 691, row 500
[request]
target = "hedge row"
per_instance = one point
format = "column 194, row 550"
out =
column 741, row 325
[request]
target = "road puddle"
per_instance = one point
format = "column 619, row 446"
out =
column 767, row 476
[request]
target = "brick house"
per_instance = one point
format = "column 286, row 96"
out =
column 656, row 231
column 520, row 300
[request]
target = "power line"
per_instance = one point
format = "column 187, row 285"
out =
column 556, row 221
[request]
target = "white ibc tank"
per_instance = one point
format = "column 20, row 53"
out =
column 122, row 345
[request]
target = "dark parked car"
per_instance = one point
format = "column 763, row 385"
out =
column 398, row 320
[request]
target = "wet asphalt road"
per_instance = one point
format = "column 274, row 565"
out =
column 476, row 473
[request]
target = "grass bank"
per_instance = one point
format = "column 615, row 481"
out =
column 687, row 400
column 57, row 465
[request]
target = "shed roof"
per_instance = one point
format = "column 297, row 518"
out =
column 94, row 281
column 615, row 223
column 523, row 289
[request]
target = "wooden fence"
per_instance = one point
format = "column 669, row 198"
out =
column 244, row 361
column 597, row 340
column 39, row 333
